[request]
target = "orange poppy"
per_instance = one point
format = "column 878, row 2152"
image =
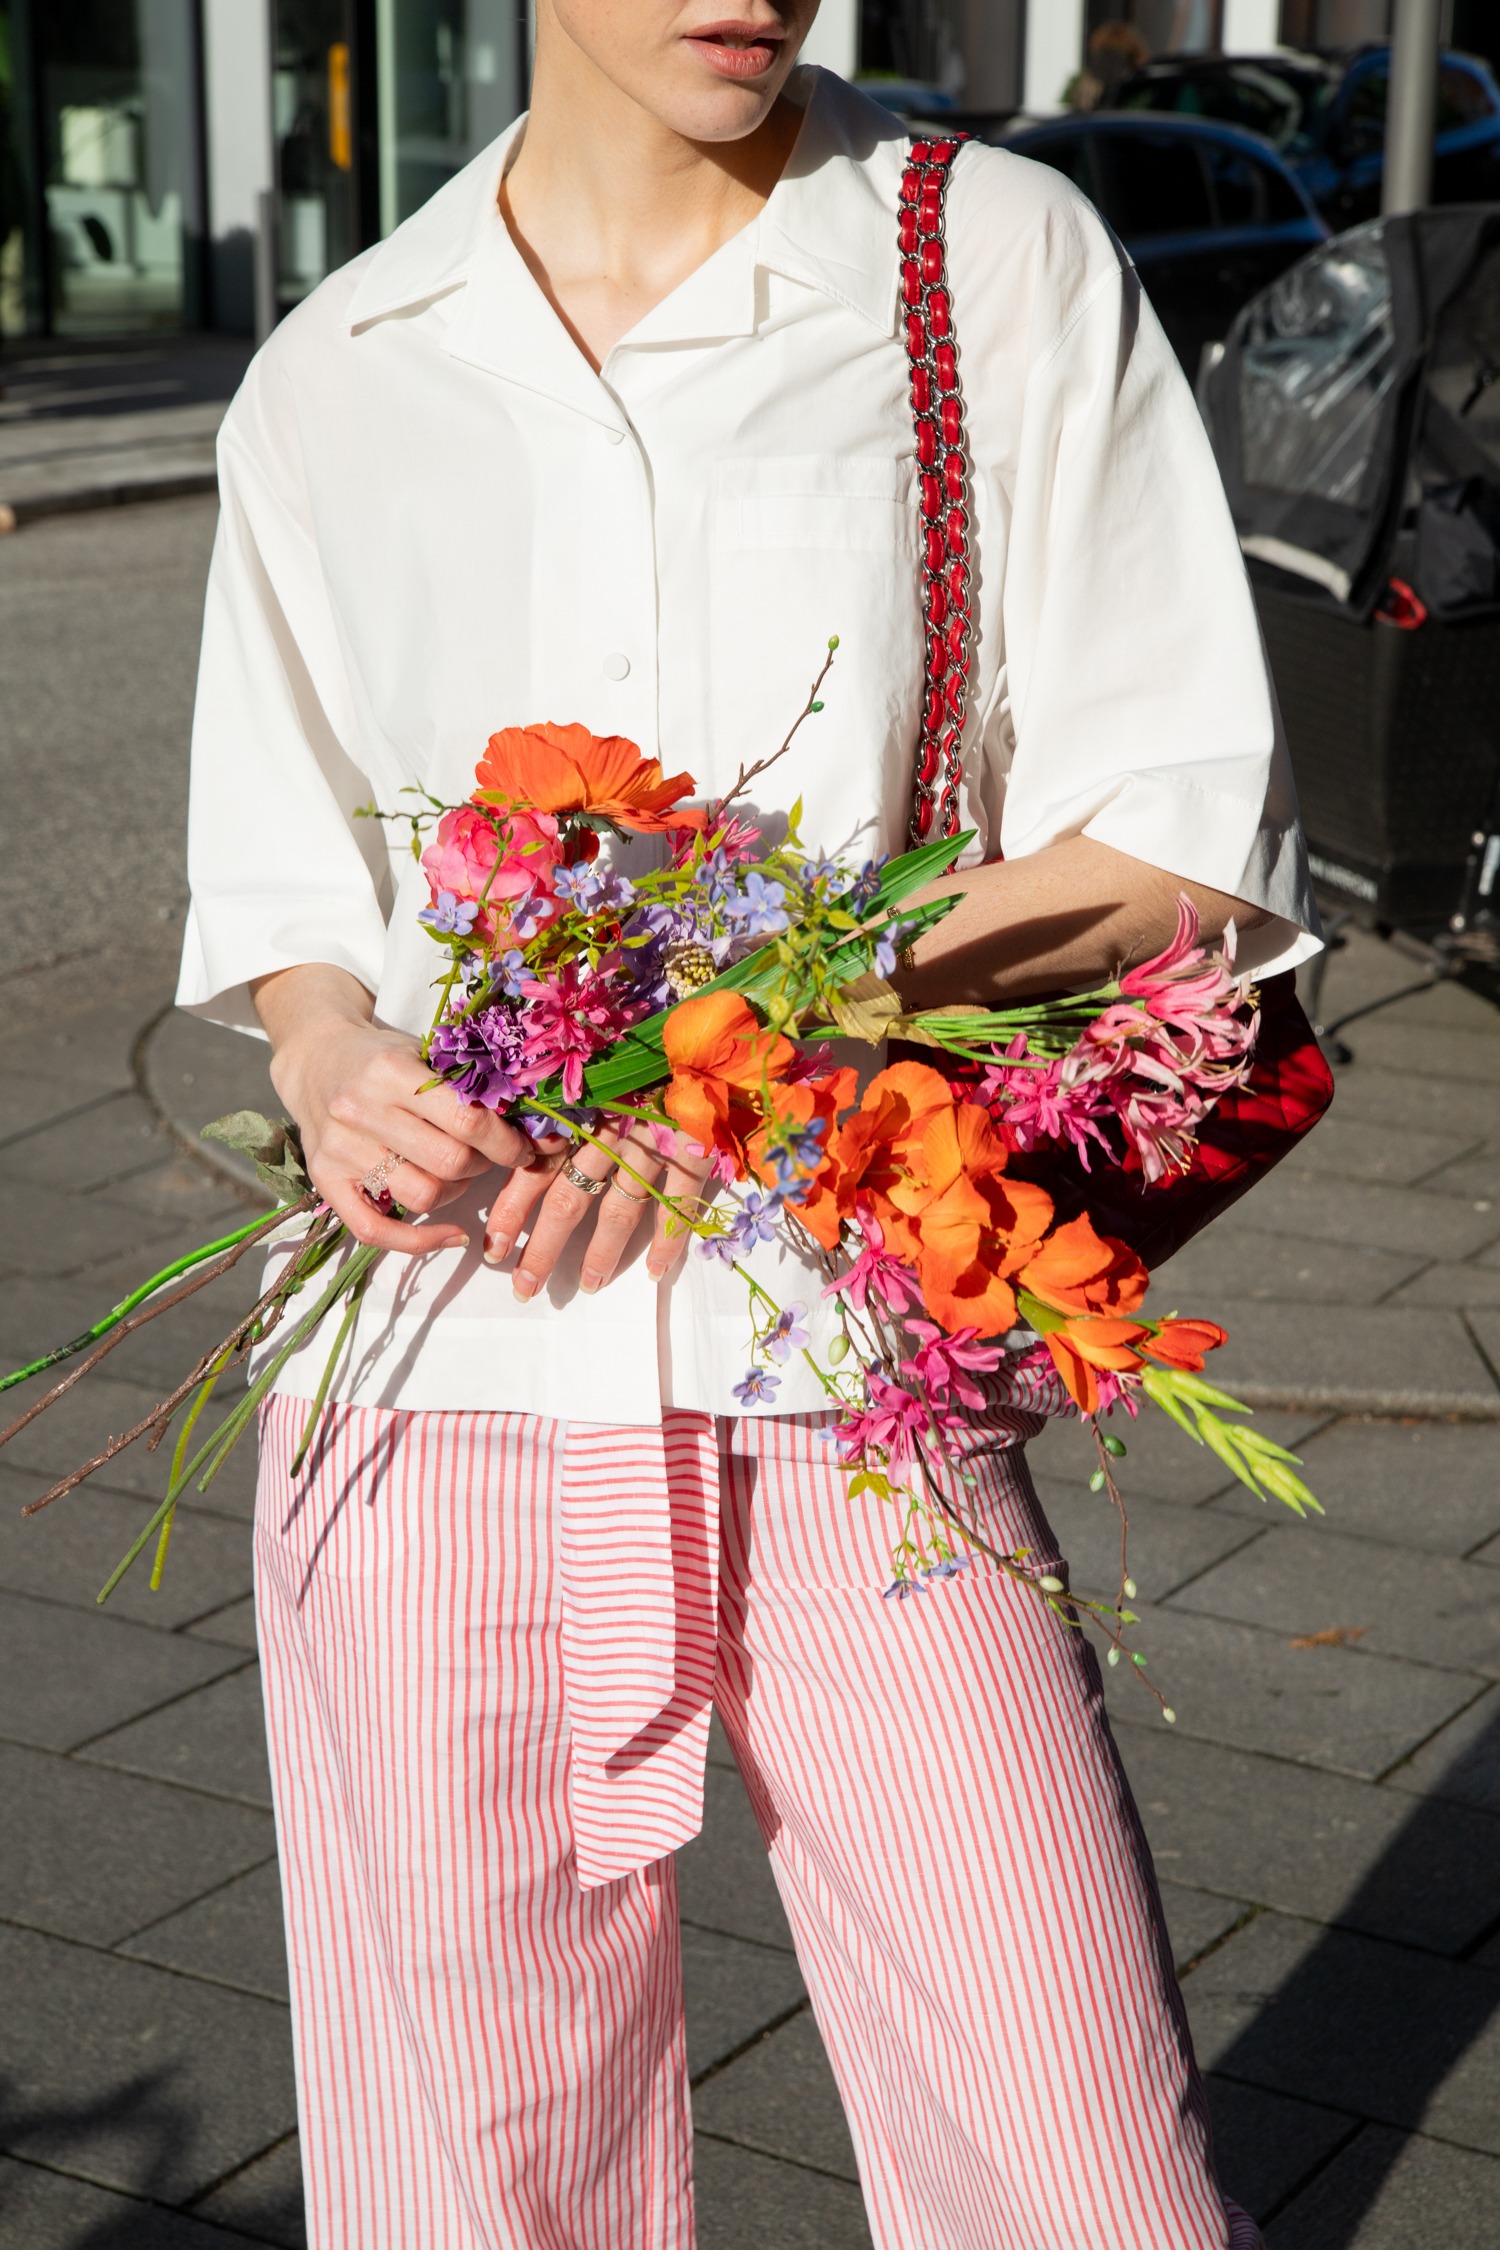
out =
column 967, row 1269
column 565, row 770
column 720, row 1056
column 1079, row 1271
column 1184, row 1343
column 822, row 1097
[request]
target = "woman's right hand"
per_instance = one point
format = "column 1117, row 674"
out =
column 353, row 1088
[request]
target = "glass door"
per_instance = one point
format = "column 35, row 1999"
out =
column 451, row 75
column 317, row 143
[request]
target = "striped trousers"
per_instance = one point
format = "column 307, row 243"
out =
column 489, row 2035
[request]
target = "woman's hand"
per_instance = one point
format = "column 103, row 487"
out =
column 554, row 1204
column 353, row 1089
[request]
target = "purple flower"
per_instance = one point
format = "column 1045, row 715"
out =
column 449, row 915
column 480, row 1057
column 759, row 1387
column 721, row 1246
column 759, row 908
column 949, row 1568
column 513, row 972
column 901, row 1590
column 577, row 886
column 862, row 890
column 755, row 1220
column 787, row 1334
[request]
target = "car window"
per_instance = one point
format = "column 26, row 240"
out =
column 1067, row 153
column 1248, row 193
column 1283, row 107
column 1463, row 98
column 1152, row 183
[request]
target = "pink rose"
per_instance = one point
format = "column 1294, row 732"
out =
column 464, row 859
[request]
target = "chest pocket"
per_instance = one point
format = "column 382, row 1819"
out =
column 815, row 503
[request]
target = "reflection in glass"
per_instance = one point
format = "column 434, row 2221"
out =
column 449, row 83
column 121, row 162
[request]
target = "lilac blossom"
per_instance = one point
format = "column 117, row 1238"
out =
column 787, row 1333
column 759, row 1387
column 760, row 909
column 449, row 915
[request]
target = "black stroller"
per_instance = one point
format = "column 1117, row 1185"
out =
column 1355, row 413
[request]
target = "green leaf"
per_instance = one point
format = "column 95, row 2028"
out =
column 1158, row 1386
column 253, row 1135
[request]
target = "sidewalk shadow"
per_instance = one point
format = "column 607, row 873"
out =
column 145, row 2114
column 1372, row 2028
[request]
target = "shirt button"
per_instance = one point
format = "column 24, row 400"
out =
column 616, row 666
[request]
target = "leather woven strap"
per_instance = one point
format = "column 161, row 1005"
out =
column 937, row 412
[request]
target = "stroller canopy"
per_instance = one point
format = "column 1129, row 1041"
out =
column 1355, row 415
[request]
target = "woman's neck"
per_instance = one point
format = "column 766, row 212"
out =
column 611, row 209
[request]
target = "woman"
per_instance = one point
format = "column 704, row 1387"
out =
column 615, row 429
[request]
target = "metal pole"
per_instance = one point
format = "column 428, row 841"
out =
column 1411, row 105
column 265, row 265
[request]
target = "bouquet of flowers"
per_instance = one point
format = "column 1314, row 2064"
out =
column 699, row 999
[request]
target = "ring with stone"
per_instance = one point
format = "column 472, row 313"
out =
column 575, row 1178
column 376, row 1182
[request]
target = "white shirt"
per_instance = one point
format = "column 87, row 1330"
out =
column 438, row 521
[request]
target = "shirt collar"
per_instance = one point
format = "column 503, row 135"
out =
column 830, row 223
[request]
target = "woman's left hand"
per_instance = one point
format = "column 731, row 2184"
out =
column 554, row 1204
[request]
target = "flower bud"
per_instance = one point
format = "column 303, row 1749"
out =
column 1050, row 1585
column 838, row 1350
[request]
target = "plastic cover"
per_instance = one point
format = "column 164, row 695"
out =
column 1317, row 361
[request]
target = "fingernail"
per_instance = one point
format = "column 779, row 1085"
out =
column 457, row 1242
column 590, row 1284
column 655, row 1273
column 524, row 1287
column 497, row 1250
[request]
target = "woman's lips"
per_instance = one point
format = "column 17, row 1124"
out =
column 734, row 52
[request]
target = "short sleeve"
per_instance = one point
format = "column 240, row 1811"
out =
column 280, row 870
column 1132, row 702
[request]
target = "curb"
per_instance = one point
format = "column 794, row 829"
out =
column 127, row 492
column 1422, row 1406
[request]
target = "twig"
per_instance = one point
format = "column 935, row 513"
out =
column 1118, row 1498
column 747, row 774
column 124, row 1328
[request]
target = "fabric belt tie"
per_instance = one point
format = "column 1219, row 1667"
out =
column 639, row 1551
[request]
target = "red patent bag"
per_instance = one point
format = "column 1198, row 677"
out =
column 1290, row 1084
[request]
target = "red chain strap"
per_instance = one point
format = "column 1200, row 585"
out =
column 937, row 414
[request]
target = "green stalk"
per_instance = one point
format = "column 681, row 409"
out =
column 127, row 1305
column 205, row 1393
column 325, row 1381
column 234, row 1424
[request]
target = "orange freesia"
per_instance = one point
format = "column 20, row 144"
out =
column 720, row 1056
column 1079, row 1347
column 1184, row 1343
column 565, row 770
column 1079, row 1271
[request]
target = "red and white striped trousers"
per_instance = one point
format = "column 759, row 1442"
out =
column 490, row 1645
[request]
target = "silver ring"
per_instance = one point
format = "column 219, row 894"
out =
column 575, row 1178
column 645, row 1197
column 376, row 1182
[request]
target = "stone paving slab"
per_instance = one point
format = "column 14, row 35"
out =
column 1450, row 1285
column 1284, row 1268
column 108, row 1141
column 1266, row 2145
column 1196, row 1920
column 135, row 2078
column 1258, row 1831
column 265, row 2198
column 43, row 1232
column 67, row 1552
column 233, row 1625
column 93, row 1855
column 234, row 1936
column 36, row 1316
column 1167, row 1546
column 213, row 1740
column 734, row 1991
column 1407, row 1044
column 1393, row 2191
column 780, row 2098
column 1461, row 1762
column 745, row 2200
column 724, row 1879
column 67, row 1676
column 1440, row 1612
column 1316, row 1208
column 42, row 2210
column 1398, row 2037
column 1405, row 1099
column 1244, row 1687
column 1357, row 1148
column 1433, row 1485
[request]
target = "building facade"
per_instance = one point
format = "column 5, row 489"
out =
column 203, row 163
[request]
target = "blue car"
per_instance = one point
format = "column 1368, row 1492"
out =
column 1209, row 214
column 1326, row 119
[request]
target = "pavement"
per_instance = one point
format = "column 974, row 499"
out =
column 1325, row 1815
column 89, row 425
